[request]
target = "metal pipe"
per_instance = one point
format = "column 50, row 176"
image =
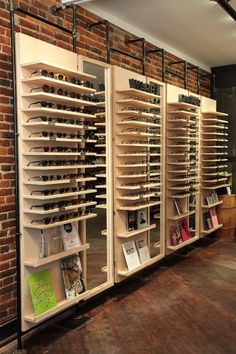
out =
column 15, row 123
column 134, row 40
column 163, row 54
column 227, row 7
column 198, row 80
column 143, row 56
column 175, row 74
column 176, row 62
column 74, row 29
column 125, row 53
column 43, row 20
column 106, row 24
column 185, row 74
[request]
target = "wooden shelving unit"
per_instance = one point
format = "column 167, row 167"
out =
column 59, row 148
column 182, row 167
column 138, row 175
column 214, row 152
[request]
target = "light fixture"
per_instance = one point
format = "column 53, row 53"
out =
column 226, row 6
column 73, row 2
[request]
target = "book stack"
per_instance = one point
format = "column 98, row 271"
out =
column 179, row 232
column 210, row 219
column 137, row 219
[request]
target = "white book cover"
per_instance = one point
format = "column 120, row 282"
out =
column 143, row 250
column 70, row 236
column 131, row 255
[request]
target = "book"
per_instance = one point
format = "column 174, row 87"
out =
column 70, row 236
column 184, row 229
column 142, row 218
column 178, row 206
column 72, row 275
column 41, row 291
column 209, row 200
column 207, row 220
column 175, row 235
column 131, row 220
column 131, row 255
column 51, row 242
column 214, row 218
column 215, row 198
column 143, row 251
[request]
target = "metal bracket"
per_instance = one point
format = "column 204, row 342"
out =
column 195, row 67
column 107, row 25
column 184, row 77
column 210, row 87
column 162, row 52
column 142, row 59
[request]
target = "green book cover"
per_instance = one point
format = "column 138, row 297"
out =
column 42, row 292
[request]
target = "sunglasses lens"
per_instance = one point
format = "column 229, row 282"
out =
column 44, row 72
column 45, row 178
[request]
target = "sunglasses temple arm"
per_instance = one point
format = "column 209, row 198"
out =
column 34, row 72
column 28, row 164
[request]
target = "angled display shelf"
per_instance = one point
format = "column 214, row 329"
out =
column 182, row 168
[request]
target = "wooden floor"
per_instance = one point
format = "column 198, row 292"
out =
column 185, row 305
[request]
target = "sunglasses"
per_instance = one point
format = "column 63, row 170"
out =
column 48, row 220
column 60, row 190
column 60, row 162
column 61, row 204
column 60, row 177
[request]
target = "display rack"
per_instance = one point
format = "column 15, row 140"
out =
column 214, row 145
column 182, row 167
column 58, row 147
column 138, row 174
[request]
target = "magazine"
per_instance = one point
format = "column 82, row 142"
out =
column 72, row 276
column 131, row 255
column 70, row 236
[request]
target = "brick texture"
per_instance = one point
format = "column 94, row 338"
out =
column 89, row 43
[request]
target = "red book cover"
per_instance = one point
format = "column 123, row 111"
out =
column 214, row 218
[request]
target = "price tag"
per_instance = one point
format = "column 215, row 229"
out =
column 51, row 122
column 62, row 209
column 53, row 137
column 72, row 180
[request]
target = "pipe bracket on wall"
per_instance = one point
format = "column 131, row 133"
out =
column 107, row 26
column 195, row 67
column 161, row 52
column 184, row 76
column 142, row 59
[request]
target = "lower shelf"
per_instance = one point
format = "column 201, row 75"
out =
column 39, row 262
column 207, row 232
column 127, row 273
column 136, row 232
column 63, row 305
column 183, row 244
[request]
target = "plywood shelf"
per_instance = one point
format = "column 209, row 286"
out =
column 52, row 124
column 42, row 153
column 136, row 232
column 35, row 263
column 214, row 113
column 61, row 306
column 138, row 123
column 137, row 114
column 183, row 244
column 44, row 80
column 207, row 232
column 183, row 105
column 138, row 207
column 51, row 97
column 38, row 211
column 61, row 181
column 58, row 196
column 137, row 103
column 58, row 112
column 59, row 223
column 181, row 216
column 56, row 168
column 138, row 93
column 205, row 206
column 43, row 65
column 127, row 273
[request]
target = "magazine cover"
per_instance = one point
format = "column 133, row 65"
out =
column 72, row 276
column 41, row 291
column 142, row 218
column 70, row 236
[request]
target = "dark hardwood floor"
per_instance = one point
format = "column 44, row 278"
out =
column 184, row 305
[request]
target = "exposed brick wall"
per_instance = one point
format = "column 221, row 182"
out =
column 91, row 44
